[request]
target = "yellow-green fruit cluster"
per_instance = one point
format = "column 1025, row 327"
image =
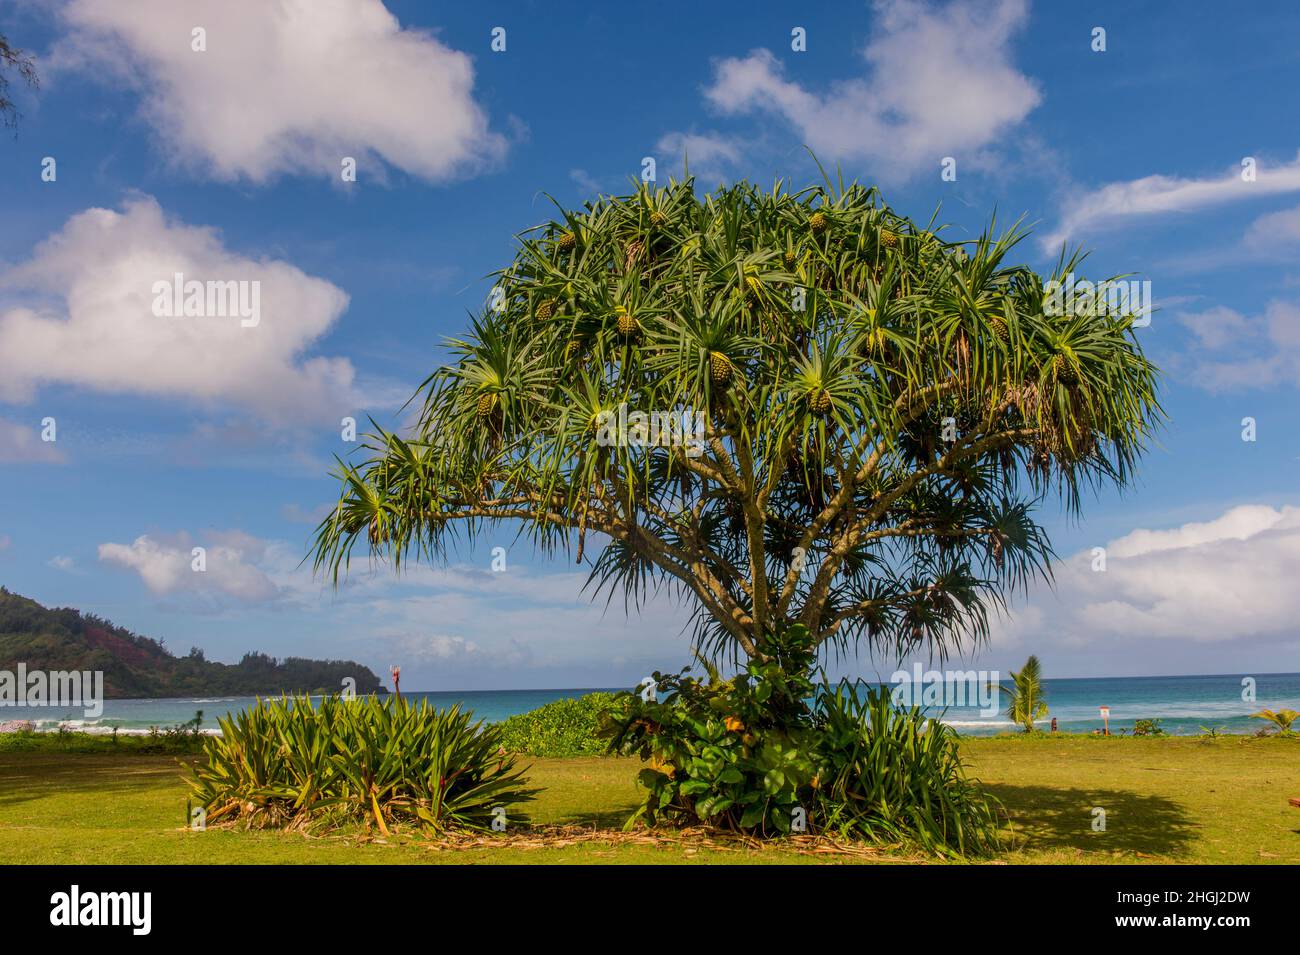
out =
column 888, row 239
column 819, row 402
column 819, row 221
column 720, row 368
column 567, row 242
column 999, row 326
column 546, row 310
column 1064, row 370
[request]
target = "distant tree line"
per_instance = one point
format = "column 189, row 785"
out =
column 136, row 666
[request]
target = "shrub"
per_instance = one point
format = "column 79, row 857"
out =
column 767, row 748
column 167, row 742
column 286, row 763
column 1282, row 719
column 737, row 754
column 893, row 775
column 561, row 728
column 1148, row 728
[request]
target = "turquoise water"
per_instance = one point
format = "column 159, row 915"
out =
column 139, row 715
column 1184, row 704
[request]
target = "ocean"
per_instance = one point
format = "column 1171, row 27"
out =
column 1184, row 705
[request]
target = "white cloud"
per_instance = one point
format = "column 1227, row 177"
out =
column 416, row 649
column 295, row 513
column 1275, row 229
column 1149, row 196
column 62, row 563
column 711, row 157
column 1237, row 352
column 1228, row 579
column 22, row 443
column 1217, row 327
column 466, row 625
column 452, row 626
column 586, row 182
column 287, row 86
column 236, row 566
column 940, row 82
column 94, row 324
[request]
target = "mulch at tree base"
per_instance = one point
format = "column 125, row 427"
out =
column 690, row 839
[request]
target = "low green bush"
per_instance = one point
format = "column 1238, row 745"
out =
column 737, row 754
column 1148, row 728
column 890, row 774
column 176, row 740
column 382, row 763
column 768, row 752
column 561, row 728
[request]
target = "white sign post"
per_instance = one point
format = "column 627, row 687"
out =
column 1105, row 719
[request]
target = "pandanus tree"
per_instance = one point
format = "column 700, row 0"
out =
column 878, row 411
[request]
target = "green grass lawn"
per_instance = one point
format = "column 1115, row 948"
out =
column 1166, row 800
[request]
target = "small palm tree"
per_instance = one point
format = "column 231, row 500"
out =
column 1025, row 697
column 1282, row 719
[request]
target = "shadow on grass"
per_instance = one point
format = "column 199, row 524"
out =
column 599, row 818
column 1050, row 818
column 29, row 776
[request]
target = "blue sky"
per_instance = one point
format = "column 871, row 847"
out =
column 230, row 157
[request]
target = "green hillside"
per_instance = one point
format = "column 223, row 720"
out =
column 136, row 666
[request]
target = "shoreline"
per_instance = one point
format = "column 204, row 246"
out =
column 52, row 728
column 1185, row 707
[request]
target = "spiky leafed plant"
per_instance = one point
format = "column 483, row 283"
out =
column 291, row 763
column 1026, row 702
column 880, row 412
column 1282, row 719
